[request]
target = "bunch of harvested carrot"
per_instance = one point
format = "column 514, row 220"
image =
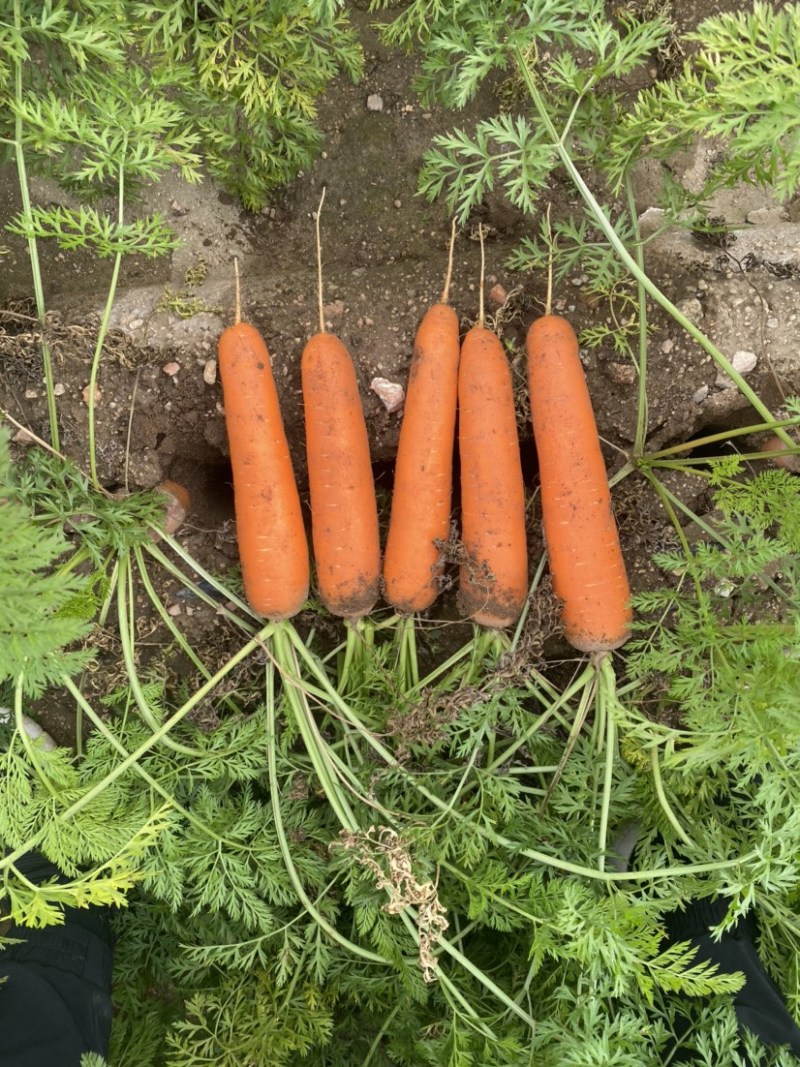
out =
column 344, row 512
column 419, row 523
column 494, row 577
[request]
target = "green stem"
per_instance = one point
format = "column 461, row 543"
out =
column 101, row 336
column 619, row 247
column 528, row 601
column 125, row 604
column 294, row 877
column 725, row 435
column 641, row 299
column 470, row 967
column 357, row 647
column 86, row 798
column 286, row 661
column 115, row 742
column 604, row 693
column 166, row 618
column 577, row 686
column 167, row 563
column 33, row 248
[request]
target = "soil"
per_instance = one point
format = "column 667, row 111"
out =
column 160, row 409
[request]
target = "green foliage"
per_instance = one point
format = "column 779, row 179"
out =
column 740, row 84
column 581, row 98
column 249, row 77
column 35, row 621
column 86, row 227
column 134, row 89
column 62, row 499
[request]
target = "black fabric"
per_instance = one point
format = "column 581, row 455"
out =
column 55, row 1003
column 759, row 1004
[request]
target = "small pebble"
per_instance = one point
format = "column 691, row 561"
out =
column 398, row 203
column 174, row 609
column 171, row 369
column 22, row 437
column 667, row 346
column 135, row 324
column 374, row 102
column 391, row 394
column 692, row 309
column 743, row 362
column 59, row 388
column 98, row 396
column 498, row 295
column 210, row 371
column 621, row 373
column 334, row 310
column 30, row 394
column 699, row 395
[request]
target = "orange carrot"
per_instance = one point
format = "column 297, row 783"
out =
column 494, row 579
column 581, row 535
column 269, row 522
column 344, row 512
column 177, row 502
column 421, row 500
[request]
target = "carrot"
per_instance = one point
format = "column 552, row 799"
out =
column 582, row 540
column 493, row 582
column 344, row 512
column 421, row 500
column 177, row 502
column 269, row 522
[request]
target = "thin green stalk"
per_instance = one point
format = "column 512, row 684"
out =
column 115, row 742
column 619, row 247
column 689, row 465
column 314, row 744
column 563, row 700
column 608, row 776
column 246, row 650
column 407, row 663
column 101, row 336
column 725, row 435
column 666, row 807
column 387, row 1022
column 471, row 968
column 168, row 621
column 357, row 647
column 33, row 248
column 125, row 607
column 207, row 576
column 27, row 742
column 641, row 299
column 527, row 606
column 291, row 870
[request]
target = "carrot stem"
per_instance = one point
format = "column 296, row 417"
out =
column 319, row 262
column 481, row 316
column 548, row 307
column 449, row 275
column 237, row 312
column 604, row 693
